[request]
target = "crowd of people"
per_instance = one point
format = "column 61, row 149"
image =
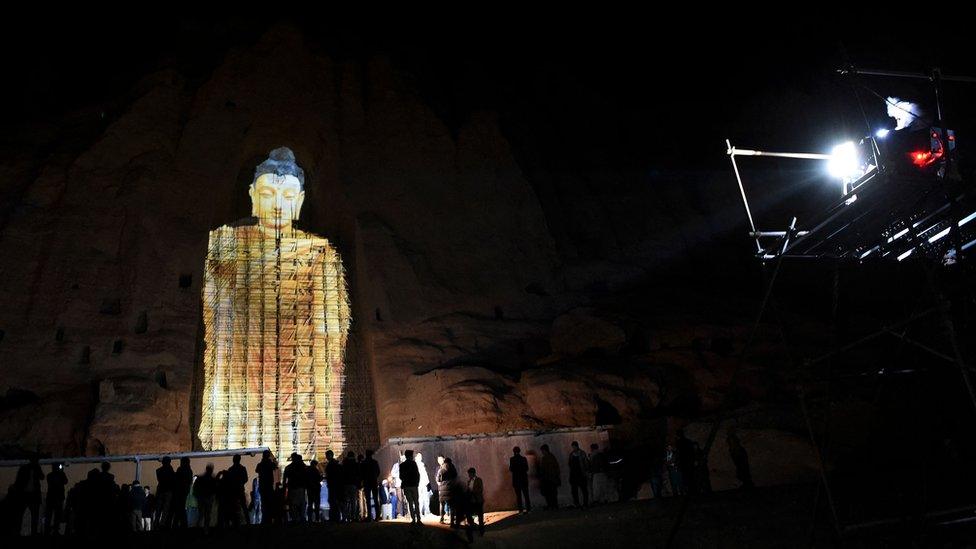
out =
column 340, row 490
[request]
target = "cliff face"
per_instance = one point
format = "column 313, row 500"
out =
column 473, row 311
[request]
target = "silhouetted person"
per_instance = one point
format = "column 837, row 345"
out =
column 205, row 490
column 457, row 495
column 149, row 510
column 671, row 463
column 702, row 475
column 549, row 477
column 476, row 502
column 266, row 469
column 371, row 485
column 361, row 511
column 54, row 503
column 230, row 506
column 686, row 462
column 27, row 491
column 741, row 460
column 350, row 490
column 400, row 509
column 236, row 499
column 519, row 467
column 657, row 474
column 107, row 508
column 579, row 468
column 85, row 506
column 597, row 476
column 334, row 482
column 136, row 500
column 165, row 485
column 446, row 474
column 181, row 489
column 295, row 477
column 313, row 490
column 121, row 510
column 278, row 504
column 410, row 477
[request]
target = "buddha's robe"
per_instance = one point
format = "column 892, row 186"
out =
column 276, row 319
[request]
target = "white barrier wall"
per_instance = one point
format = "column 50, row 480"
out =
column 489, row 454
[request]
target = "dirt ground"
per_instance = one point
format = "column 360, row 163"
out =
column 772, row 517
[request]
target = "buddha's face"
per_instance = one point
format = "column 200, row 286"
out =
column 276, row 200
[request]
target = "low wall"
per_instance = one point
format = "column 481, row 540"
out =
column 125, row 467
column 489, row 454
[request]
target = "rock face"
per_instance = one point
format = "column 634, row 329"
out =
column 469, row 313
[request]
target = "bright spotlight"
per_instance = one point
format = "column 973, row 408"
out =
column 882, row 133
column 844, row 163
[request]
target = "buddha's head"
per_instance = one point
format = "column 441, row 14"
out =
column 278, row 190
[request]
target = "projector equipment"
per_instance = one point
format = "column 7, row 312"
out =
column 903, row 194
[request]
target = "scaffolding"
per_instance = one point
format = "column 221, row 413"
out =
column 276, row 320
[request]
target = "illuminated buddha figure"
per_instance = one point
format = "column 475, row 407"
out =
column 276, row 317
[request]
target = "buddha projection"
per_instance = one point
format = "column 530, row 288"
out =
column 276, row 317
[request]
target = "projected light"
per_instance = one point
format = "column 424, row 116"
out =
column 882, row 133
column 844, row 163
column 276, row 318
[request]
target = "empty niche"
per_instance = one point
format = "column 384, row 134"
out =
column 110, row 306
column 159, row 376
column 85, row 355
column 186, row 280
column 59, row 334
column 117, row 346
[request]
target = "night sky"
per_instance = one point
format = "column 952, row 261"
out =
column 645, row 96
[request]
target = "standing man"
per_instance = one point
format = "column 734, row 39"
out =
column 266, row 469
column 313, row 490
column 350, row 474
column 165, row 483
column 28, row 486
column 549, row 478
column 598, row 474
column 519, row 467
column 334, row 483
column 476, row 501
column 371, row 485
column 410, row 476
column 674, row 472
column 236, row 478
column 181, row 490
column 205, row 491
column 400, row 509
column 295, row 476
column 56, row 481
column 741, row 460
column 579, row 467
column 686, row 462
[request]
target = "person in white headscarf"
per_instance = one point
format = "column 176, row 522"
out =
column 424, row 485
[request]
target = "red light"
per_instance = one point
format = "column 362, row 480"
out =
column 921, row 158
column 925, row 158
